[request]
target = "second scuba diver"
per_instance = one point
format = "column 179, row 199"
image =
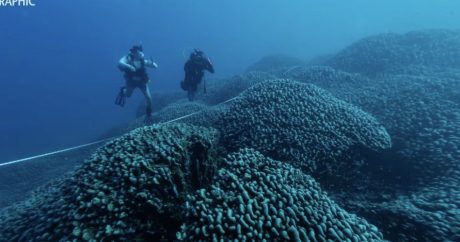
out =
column 135, row 73
column 194, row 72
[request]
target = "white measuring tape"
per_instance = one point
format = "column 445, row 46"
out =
column 97, row 142
column 54, row 152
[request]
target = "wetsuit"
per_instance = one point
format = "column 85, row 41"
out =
column 194, row 71
column 138, row 78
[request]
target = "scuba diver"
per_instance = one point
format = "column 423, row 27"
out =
column 194, row 72
column 134, row 67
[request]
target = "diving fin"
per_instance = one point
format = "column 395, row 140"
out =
column 121, row 97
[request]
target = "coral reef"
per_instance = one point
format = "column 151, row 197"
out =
column 221, row 90
column 419, row 106
column 130, row 189
column 430, row 214
column 159, row 101
column 17, row 181
column 377, row 54
column 194, row 113
column 177, row 109
column 419, row 109
column 299, row 123
column 257, row 198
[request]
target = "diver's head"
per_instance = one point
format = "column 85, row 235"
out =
column 196, row 54
column 136, row 52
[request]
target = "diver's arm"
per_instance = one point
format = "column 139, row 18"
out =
column 210, row 67
column 207, row 65
column 150, row 63
column 123, row 64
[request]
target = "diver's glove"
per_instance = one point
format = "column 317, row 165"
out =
column 151, row 63
column 121, row 97
column 132, row 68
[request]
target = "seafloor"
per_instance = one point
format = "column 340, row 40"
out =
column 359, row 146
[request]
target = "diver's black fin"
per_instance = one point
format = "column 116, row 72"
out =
column 121, row 98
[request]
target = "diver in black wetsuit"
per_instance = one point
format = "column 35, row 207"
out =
column 194, row 71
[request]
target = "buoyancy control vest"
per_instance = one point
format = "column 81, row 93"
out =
column 139, row 75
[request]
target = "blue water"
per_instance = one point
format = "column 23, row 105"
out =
column 58, row 64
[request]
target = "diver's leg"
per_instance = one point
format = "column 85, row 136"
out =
column 194, row 89
column 191, row 92
column 129, row 86
column 129, row 90
column 148, row 99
